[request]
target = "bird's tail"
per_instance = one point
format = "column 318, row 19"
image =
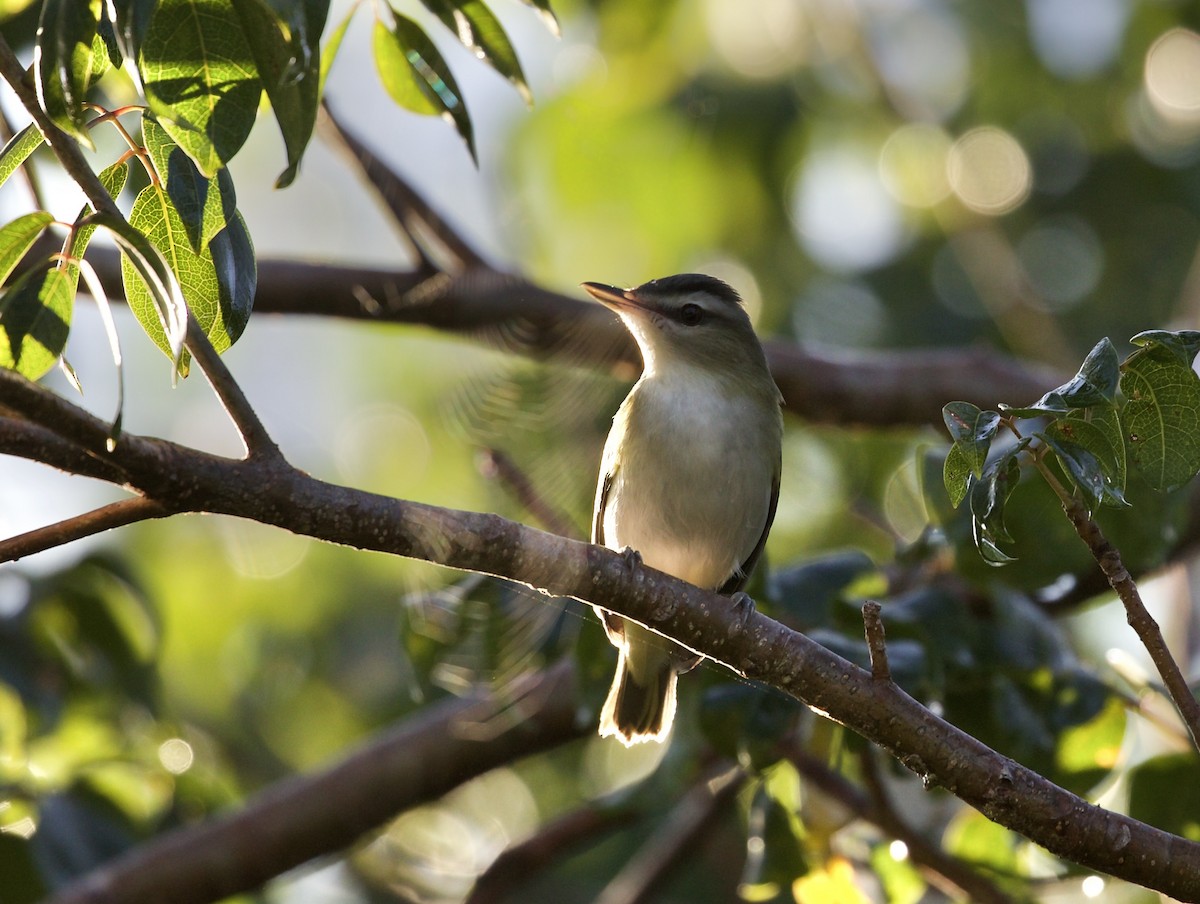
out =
column 641, row 702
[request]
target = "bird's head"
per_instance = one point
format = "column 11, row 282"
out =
column 689, row 319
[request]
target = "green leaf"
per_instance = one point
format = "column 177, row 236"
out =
column 204, row 205
column 808, row 592
column 18, row 149
column 972, row 431
column 968, row 424
column 1165, row 792
column 478, row 29
column 1080, row 465
column 1098, row 429
column 988, row 496
column 200, row 78
column 18, row 237
column 417, row 77
column 214, row 281
column 1183, row 344
column 957, row 473
column 1162, row 415
column 1094, row 384
column 288, row 56
column 35, row 319
column 147, row 276
column 63, row 62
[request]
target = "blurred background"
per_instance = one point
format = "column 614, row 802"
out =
column 870, row 175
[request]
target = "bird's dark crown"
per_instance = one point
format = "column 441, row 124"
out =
column 686, row 283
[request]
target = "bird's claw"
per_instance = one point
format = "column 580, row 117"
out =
column 744, row 607
column 633, row 558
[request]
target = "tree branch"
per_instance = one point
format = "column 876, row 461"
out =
column 302, row 818
column 117, row 514
column 753, row 645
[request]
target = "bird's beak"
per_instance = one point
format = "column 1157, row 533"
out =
column 612, row 297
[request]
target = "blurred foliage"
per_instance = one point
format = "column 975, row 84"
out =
column 869, row 175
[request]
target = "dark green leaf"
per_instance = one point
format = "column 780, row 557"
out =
column 1165, row 792
column 1162, row 415
column 417, row 77
column 988, row 495
column 1094, row 384
column 77, row 831
column 481, row 32
column 1098, row 429
column 746, row 721
column 62, row 75
column 967, row 423
column 1183, row 344
column 17, row 237
column 200, row 78
column 131, row 24
column 774, row 855
column 17, row 151
column 1080, row 465
column 35, row 319
column 288, row 56
column 23, row 883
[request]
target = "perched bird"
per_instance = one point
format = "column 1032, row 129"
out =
column 690, row 474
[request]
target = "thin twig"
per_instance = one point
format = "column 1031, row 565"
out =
column 410, row 211
column 116, row 514
column 497, row 465
column 1108, row 557
column 876, row 641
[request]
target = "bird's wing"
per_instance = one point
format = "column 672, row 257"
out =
column 613, row 624
column 741, row 574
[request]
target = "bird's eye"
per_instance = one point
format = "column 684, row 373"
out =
column 691, row 314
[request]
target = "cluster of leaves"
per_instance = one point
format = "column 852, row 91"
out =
column 1144, row 411
column 203, row 70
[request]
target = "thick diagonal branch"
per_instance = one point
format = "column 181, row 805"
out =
column 271, row 492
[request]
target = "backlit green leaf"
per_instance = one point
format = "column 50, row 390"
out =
column 480, row 31
column 417, row 77
column 204, row 205
column 1162, row 415
column 35, row 319
column 63, row 62
column 957, row 473
column 200, row 78
column 217, row 282
column 17, row 151
column 17, row 237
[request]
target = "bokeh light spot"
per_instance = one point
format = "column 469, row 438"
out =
column 758, row 38
column 1172, row 73
column 176, row 755
column 1063, row 259
column 844, row 217
column 989, row 171
column 912, row 165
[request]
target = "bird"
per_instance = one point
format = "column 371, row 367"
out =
column 689, row 478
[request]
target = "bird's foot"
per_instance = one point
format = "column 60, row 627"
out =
column 633, row 558
column 743, row 607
